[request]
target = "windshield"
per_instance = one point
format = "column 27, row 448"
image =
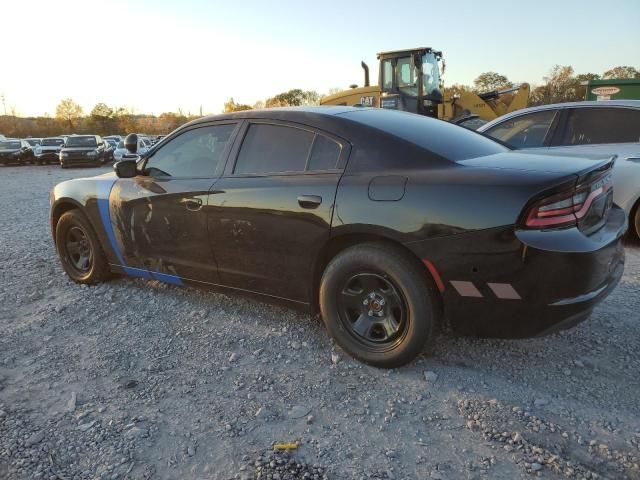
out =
column 11, row 145
column 81, row 142
column 121, row 144
column 33, row 142
column 407, row 74
column 52, row 142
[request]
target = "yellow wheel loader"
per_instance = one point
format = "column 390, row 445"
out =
column 410, row 80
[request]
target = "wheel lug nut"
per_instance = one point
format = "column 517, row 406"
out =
column 372, row 295
column 366, row 301
column 371, row 313
column 382, row 302
column 380, row 313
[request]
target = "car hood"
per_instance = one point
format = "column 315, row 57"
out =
column 536, row 162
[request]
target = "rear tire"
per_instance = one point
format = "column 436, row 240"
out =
column 378, row 304
column 636, row 221
column 79, row 250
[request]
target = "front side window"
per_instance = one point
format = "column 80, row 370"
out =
column 524, row 131
column 430, row 73
column 9, row 145
column 387, row 74
column 273, row 149
column 598, row 125
column 195, row 153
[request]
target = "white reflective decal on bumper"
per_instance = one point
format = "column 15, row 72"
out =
column 504, row 291
column 466, row 289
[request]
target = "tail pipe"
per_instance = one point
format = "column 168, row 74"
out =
column 365, row 67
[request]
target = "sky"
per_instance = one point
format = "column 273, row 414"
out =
column 153, row 56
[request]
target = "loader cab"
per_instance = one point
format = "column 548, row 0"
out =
column 410, row 80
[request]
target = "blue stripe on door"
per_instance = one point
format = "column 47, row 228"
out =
column 103, row 190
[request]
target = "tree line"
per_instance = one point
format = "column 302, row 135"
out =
column 561, row 84
column 101, row 120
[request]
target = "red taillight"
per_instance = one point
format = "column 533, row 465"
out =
column 566, row 208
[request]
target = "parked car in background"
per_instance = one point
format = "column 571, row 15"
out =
column 593, row 129
column 33, row 142
column 49, row 150
column 385, row 220
column 121, row 151
column 114, row 138
column 108, row 150
column 15, row 151
column 83, row 150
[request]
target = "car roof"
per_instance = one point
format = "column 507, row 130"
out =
column 288, row 113
column 558, row 106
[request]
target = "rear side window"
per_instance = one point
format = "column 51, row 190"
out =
column 598, row 125
column 274, row 149
column 524, row 131
column 442, row 138
column 324, row 154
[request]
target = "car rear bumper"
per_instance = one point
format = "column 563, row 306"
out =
column 511, row 284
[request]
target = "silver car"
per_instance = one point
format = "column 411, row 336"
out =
column 586, row 129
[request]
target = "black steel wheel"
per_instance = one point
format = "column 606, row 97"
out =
column 379, row 304
column 372, row 309
column 79, row 250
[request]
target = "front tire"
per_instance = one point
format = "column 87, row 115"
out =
column 378, row 304
column 79, row 250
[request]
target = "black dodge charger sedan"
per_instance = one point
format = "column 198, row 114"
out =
column 390, row 223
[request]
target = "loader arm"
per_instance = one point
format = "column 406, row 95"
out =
column 487, row 106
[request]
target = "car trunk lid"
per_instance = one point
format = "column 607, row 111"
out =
column 536, row 162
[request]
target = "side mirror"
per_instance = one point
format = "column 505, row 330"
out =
column 131, row 143
column 125, row 168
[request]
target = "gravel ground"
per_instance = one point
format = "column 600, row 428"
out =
column 137, row 379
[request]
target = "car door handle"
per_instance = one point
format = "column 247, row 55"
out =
column 309, row 201
column 192, row 204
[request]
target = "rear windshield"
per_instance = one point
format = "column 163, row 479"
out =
column 442, row 138
column 33, row 142
column 81, row 142
column 52, row 142
column 9, row 144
